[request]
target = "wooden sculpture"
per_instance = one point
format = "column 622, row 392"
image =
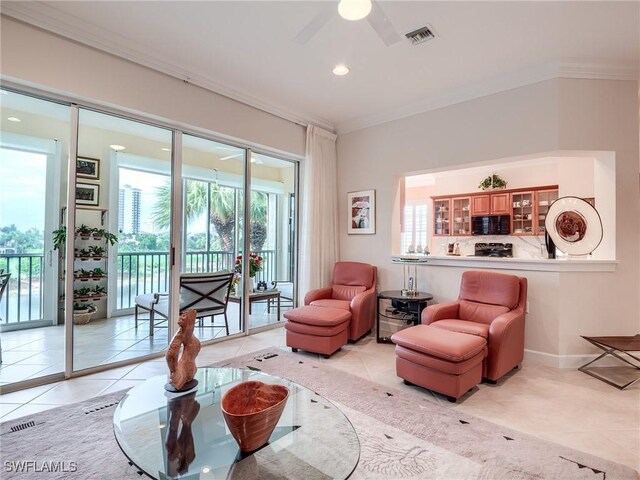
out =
column 182, row 367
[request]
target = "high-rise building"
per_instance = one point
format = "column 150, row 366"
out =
column 129, row 203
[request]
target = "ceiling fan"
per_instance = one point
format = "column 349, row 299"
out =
column 254, row 159
column 369, row 9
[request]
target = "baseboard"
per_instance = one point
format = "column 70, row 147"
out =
column 566, row 361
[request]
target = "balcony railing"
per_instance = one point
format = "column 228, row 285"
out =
column 137, row 273
column 22, row 300
column 148, row 272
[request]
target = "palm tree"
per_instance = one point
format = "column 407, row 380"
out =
column 222, row 214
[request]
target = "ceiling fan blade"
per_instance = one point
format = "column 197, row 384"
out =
column 229, row 157
column 315, row 24
column 381, row 24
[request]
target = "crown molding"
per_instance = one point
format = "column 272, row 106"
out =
column 44, row 16
column 502, row 83
column 48, row 18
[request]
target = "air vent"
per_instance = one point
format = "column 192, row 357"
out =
column 420, row 35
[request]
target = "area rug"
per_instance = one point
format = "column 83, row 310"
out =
column 402, row 435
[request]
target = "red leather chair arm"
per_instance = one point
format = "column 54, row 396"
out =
column 363, row 313
column 433, row 313
column 506, row 343
column 317, row 294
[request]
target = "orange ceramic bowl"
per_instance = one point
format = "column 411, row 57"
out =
column 252, row 410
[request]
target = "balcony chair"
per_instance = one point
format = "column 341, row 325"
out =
column 4, row 281
column 492, row 306
column 206, row 293
column 353, row 289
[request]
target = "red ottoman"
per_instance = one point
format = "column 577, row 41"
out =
column 440, row 360
column 317, row 329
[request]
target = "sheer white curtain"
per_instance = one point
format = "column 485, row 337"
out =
column 319, row 213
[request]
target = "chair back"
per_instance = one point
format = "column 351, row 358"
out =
column 207, row 293
column 351, row 278
column 486, row 295
column 4, row 281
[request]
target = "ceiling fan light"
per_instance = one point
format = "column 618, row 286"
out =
column 354, row 9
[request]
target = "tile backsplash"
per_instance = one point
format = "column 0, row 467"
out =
column 523, row 247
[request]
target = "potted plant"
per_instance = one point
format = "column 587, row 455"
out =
column 98, row 292
column 98, row 273
column 84, row 232
column 82, row 313
column 59, row 237
column 492, row 182
column 83, row 254
column 82, row 293
column 96, row 252
column 255, row 266
column 101, row 233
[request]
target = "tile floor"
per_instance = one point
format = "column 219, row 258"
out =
column 37, row 352
column 560, row 405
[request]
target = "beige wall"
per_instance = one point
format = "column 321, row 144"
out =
column 42, row 59
column 548, row 116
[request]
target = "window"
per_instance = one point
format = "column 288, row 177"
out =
column 415, row 226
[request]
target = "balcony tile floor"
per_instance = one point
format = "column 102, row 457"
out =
column 560, row 405
column 36, row 352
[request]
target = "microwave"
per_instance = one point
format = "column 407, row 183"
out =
column 490, row 225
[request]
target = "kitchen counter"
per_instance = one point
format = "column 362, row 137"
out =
column 533, row 264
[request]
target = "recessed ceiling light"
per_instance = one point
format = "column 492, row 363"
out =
column 14, row 119
column 354, row 9
column 340, row 70
column 165, row 149
column 117, row 148
column 206, row 469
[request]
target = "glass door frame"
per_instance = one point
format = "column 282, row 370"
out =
column 176, row 241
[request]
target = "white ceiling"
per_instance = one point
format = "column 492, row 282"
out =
column 244, row 49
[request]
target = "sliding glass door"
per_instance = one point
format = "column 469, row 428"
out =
column 121, row 264
column 34, row 150
column 213, row 186
column 93, row 251
column 272, row 229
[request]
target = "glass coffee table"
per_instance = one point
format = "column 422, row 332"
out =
column 186, row 436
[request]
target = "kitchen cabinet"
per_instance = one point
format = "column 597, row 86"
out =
column 441, row 216
column 544, row 199
column 493, row 204
column 452, row 216
column 461, row 216
column 522, row 217
column 500, row 204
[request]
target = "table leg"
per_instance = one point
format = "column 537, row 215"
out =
column 278, row 299
column 613, row 353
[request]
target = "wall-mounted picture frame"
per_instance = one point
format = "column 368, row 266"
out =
column 362, row 212
column 87, row 194
column 88, row 168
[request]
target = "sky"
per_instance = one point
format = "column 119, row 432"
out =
column 22, row 189
column 148, row 183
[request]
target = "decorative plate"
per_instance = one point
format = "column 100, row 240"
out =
column 574, row 225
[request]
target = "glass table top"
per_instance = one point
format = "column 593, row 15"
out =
column 186, row 436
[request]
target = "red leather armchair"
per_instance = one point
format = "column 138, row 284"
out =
column 491, row 305
column 353, row 288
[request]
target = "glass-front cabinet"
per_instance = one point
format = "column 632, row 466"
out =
column 461, row 215
column 441, row 216
column 522, row 219
column 544, row 200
